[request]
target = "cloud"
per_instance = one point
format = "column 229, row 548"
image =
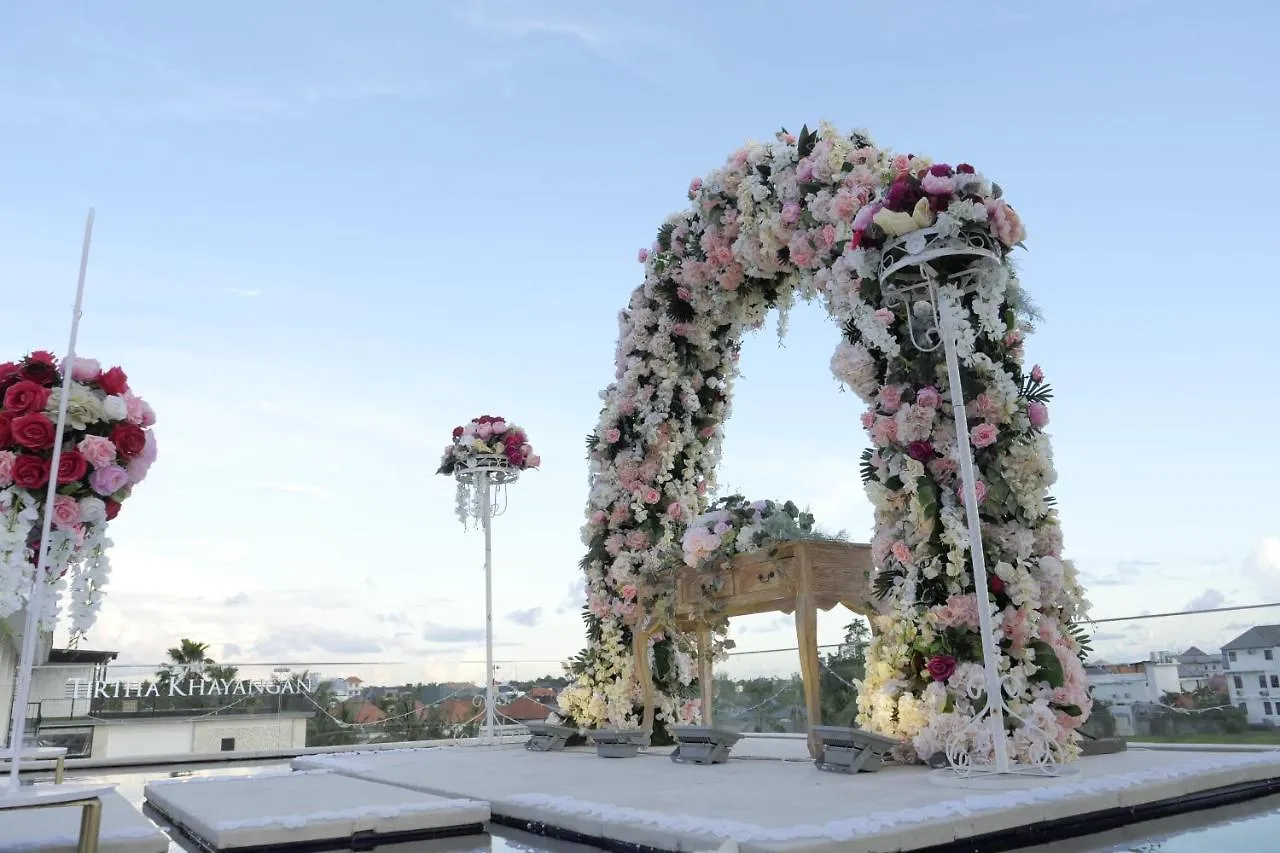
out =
column 1262, row 568
column 574, row 598
column 236, row 600
column 243, row 292
column 1125, row 572
column 529, row 617
column 1207, row 600
column 453, row 635
column 284, row 641
column 296, row 489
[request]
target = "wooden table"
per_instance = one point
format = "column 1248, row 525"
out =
column 802, row 576
column 87, row 798
column 56, row 754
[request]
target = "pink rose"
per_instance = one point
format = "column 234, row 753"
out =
column 1037, row 374
column 612, row 435
column 85, row 370
column 868, row 419
column 533, row 461
column 790, row 212
column 629, row 592
column 984, row 435
column 884, row 315
column 1038, row 414
column 6, row 466
column 137, row 469
column 891, row 398
column 97, row 450
column 675, row 511
column 484, row 432
column 642, row 255
column 901, row 552
column 884, row 431
column 637, row 540
column 928, row 396
column 1005, row 223
column 66, row 512
column 695, row 185
column 979, row 487
column 108, row 480
column 598, row 517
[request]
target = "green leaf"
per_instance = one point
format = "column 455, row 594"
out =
column 1048, row 667
column 1071, row 710
column 806, row 142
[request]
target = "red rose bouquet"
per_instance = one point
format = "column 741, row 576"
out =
column 107, row 448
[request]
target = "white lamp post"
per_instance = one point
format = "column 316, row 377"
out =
column 909, row 277
column 482, row 495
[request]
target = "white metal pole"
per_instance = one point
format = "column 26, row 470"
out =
column 22, row 690
column 486, row 518
column 995, row 695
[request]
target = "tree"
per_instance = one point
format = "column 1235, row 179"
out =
column 186, row 658
column 841, row 669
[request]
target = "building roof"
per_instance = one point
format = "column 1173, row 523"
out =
column 1193, row 652
column 523, row 709
column 1257, row 637
column 81, row 656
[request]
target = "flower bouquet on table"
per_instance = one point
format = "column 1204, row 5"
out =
column 733, row 525
column 487, row 442
column 107, row 447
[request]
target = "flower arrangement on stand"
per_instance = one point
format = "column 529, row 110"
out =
column 486, row 442
column 819, row 215
column 108, row 447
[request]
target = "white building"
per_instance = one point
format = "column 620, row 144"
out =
column 1253, row 673
column 1197, row 670
column 1126, row 685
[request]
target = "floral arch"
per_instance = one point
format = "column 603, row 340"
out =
column 811, row 217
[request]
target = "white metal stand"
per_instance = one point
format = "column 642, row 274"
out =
column 35, row 603
column 908, row 277
column 485, row 485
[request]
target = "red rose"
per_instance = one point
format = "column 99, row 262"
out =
column 71, row 467
column 5, row 434
column 8, row 373
column 113, row 381
column 30, row 472
column 25, row 396
column 941, row 667
column 457, row 432
column 129, row 439
column 40, row 372
column 43, row 356
column 965, row 169
column 113, row 508
column 33, row 431
column 995, row 583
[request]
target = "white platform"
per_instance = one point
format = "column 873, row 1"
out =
column 247, row 812
column 57, row 830
column 774, row 805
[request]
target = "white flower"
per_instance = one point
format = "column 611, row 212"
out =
column 114, row 408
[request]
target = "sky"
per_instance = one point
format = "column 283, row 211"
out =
column 328, row 233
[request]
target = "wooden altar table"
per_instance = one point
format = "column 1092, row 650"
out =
column 801, row 576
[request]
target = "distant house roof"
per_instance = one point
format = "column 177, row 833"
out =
column 367, row 712
column 543, row 693
column 524, row 709
column 353, row 681
column 81, row 656
column 1193, row 652
column 1257, row 637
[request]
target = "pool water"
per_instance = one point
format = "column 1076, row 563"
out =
column 1252, row 827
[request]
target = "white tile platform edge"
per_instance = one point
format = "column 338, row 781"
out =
column 961, row 809
column 136, row 835
column 971, row 814
column 394, row 816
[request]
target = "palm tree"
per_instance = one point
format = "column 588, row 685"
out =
column 185, row 659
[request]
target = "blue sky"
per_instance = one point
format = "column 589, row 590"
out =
column 326, row 235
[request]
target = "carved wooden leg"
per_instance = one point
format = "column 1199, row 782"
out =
column 705, row 677
column 640, row 646
column 807, row 640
